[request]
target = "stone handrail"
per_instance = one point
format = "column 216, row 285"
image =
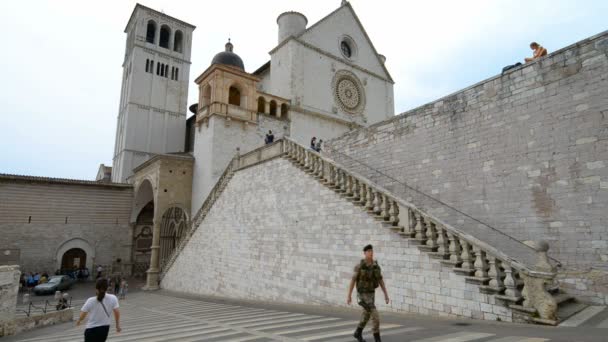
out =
column 228, row 110
column 496, row 272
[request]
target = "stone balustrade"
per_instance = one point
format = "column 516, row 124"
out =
column 510, row 280
column 507, row 278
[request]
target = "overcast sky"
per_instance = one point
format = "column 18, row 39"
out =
column 61, row 60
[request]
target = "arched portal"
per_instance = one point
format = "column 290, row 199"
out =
column 173, row 228
column 68, row 251
column 142, row 218
column 73, row 259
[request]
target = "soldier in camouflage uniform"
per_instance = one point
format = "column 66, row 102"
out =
column 367, row 277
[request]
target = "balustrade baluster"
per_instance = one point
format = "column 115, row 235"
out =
column 384, row 215
column 481, row 264
column 363, row 193
column 431, row 234
column 369, row 204
column 302, row 159
column 341, row 181
column 320, row 168
column 496, row 275
column 393, row 212
column 442, row 242
column 419, row 228
column 467, row 260
column 356, row 192
column 455, row 250
column 510, row 282
column 377, row 202
column 348, row 189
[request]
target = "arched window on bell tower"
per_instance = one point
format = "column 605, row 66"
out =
column 234, row 96
column 177, row 41
column 165, row 35
column 151, row 31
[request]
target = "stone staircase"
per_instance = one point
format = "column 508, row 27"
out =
column 523, row 280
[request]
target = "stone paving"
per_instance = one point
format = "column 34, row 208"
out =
column 162, row 316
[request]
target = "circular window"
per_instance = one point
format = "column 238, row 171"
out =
column 348, row 92
column 348, row 48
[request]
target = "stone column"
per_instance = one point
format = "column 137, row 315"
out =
column 266, row 107
column 157, row 35
column 152, row 272
column 171, row 39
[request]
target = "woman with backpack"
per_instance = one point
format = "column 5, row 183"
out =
column 99, row 310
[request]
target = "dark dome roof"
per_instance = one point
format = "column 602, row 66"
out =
column 229, row 58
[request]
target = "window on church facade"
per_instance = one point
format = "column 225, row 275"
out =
column 150, row 31
column 147, row 65
column 273, row 108
column 165, row 34
column 176, row 74
column 177, row 42
column 206, row 100
column 234, row 96
column 346, row 50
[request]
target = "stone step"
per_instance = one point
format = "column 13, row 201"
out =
column 569, row 309
column 563, row 298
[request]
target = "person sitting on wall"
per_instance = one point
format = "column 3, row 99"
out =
column 318, row 145
column 539, row 52
column 313, row 143
column 269, row 138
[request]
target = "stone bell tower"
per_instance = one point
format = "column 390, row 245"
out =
column 154, row 92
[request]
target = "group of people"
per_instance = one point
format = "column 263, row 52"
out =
column 316, row 145
column 31, row 279
column 117, row 285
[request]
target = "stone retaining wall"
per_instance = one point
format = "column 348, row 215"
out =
column 50, row 318
column 525, row 152
column 9, row 286
column 278, row 234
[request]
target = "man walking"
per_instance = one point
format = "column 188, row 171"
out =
column 367, row 277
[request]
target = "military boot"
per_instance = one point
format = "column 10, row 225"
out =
column 359, row 335
column 377, row 337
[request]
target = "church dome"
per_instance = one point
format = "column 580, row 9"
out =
column 228, row 57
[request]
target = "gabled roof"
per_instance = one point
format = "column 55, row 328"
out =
column 347, row 4
column 261, row 69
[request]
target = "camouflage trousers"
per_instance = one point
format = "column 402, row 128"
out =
column 366, row 300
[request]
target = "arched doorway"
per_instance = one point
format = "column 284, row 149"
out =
column 72, row 259
column 143, row 218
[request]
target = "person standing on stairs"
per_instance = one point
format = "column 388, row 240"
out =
column 99, row 309
column 367, row 277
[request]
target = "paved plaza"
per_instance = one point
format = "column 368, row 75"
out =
column 164, row 316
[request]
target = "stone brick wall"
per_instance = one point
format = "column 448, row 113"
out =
column 525, row 152
column 23, row 324
column 278, row 234
column 9, row 285
column 43, row 218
